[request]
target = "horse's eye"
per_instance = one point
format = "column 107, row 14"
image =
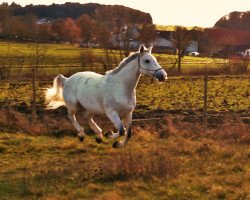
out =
column 147, row 61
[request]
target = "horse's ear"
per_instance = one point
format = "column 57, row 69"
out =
column 142, row 48
column 150, row 49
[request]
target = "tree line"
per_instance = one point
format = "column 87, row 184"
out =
column 106, row 24
column 71, row 22
column 235, row 20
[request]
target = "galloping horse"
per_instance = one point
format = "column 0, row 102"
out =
column 112, row 94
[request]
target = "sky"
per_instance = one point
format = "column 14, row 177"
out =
column 202, row 13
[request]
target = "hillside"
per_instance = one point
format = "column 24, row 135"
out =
column 234, row 20
column 75, row 10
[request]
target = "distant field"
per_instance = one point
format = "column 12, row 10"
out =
column 171, row 27
column 58, row 58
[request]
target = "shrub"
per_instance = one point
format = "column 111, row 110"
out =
column 234, row 66
column 87, row 59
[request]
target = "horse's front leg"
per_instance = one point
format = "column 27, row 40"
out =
column 115, row 119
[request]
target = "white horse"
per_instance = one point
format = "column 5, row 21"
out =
column 112, row 94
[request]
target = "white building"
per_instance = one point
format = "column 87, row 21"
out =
column 246, row 53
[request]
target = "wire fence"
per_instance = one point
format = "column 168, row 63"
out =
column 196, row 93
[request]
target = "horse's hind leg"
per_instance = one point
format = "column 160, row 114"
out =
column 127, row 121
column 96, row 128
column 79, row 128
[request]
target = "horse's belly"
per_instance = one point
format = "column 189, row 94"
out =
column 92, row 105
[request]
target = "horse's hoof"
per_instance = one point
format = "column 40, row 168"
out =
column 117, row 144
column 98, row 140
column 81, row 139
column 108, row 134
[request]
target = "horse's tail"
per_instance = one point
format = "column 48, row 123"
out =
column 53, row 95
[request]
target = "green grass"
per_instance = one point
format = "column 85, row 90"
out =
column 224, row 94
column 212, row 165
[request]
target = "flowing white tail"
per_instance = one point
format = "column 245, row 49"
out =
column 53, row 95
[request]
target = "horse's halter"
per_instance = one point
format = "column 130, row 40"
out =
column 152, row 70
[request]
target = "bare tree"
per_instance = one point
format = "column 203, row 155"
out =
column 147, row 33
column 38, row 58
column 122, row 29
column 181, row 40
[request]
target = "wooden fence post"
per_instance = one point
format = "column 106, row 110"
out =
column 33, row 110
column 205, row 102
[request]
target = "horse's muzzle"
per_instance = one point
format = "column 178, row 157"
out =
column 161, row 75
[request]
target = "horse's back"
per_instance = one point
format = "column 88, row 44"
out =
column 87, row 74
column 83, row 88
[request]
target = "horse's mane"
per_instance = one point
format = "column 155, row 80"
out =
column 123, row 63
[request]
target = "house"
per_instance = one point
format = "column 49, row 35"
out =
column 193, row 47
column 43, row 21
column 162, row 43
column 242, row 51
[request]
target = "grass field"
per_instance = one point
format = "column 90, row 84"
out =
column 58, row 58
column 169, row 158
column 170, row 161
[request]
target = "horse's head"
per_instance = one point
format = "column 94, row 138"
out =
column 149, row 66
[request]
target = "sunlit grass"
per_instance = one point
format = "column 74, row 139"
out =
column 212, row 165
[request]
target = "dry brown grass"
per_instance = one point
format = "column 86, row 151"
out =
column 233, row 130
column 187, row 163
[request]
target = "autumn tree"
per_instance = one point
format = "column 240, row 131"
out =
column 71, row 31
column 66, row 30
column 87, row 27
column 45, row 32
column 57, row 29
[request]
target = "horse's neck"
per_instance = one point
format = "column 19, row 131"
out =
column 128, row 77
